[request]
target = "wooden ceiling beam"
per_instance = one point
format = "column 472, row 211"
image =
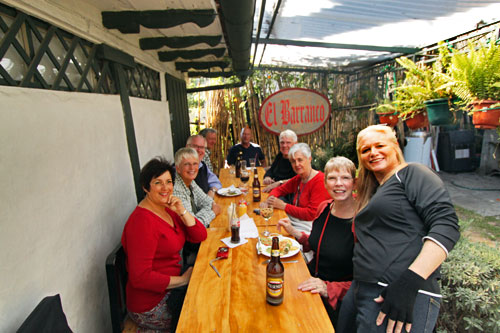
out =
column 190, row 54
column 178, row 42
column 130, row 21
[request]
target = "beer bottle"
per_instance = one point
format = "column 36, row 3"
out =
column 237, row 165
column 275, row 276
column 256, row 186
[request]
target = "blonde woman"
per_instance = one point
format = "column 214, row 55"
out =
column 405, row 225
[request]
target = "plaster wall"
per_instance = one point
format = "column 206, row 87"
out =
column 67, row 190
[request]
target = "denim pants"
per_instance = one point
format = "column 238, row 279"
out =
column 359, row 311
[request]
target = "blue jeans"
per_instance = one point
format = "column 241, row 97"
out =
column 359, row 311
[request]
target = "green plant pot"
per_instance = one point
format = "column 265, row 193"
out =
column 438, row 111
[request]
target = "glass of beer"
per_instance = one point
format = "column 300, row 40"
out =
column 266, row 211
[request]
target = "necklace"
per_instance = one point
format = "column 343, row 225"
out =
column 308, row 176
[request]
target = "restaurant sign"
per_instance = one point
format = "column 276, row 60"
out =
column 304, row 111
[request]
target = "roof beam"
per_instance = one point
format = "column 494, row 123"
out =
column 303, row 70
column 130, row 21
column 153, row 43
column 184, row 66
column 391, row 49
column 190, row 54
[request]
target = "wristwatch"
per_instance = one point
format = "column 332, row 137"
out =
column 281, row 182
column 214, row 189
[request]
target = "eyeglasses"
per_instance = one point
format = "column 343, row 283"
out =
column 196, row 146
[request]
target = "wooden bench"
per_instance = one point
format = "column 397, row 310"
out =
column 116, row 273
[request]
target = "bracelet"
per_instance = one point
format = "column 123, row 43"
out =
column 184, row 212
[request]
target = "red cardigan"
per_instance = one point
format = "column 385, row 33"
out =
column 312, row 194
column 152, row 247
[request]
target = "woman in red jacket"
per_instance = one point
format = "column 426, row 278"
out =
column 307, row 189
column 152, row 239
column 331, row 239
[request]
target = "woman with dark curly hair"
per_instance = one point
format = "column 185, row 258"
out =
column 152, row 239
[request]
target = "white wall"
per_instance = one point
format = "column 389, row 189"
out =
column 66, row 192
column 152, row 129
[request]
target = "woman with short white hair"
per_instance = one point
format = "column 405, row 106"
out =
column 307, row 189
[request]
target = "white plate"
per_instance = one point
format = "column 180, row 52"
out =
column 229, row 192
column 266, row 250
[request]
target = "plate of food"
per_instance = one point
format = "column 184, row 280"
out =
column 288, row 246
column 229, row 191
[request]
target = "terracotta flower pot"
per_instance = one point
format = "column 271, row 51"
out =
column 418, row 121
column 484, row 117
column 390, row 119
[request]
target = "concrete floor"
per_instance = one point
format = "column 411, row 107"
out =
column 472, row 191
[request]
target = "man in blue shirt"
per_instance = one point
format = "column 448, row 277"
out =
column 248, row 148
column 205, row 179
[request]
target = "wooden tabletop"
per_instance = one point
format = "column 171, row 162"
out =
column 227, row 179
column 236, row 301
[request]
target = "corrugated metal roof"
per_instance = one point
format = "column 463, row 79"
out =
column 393, row 23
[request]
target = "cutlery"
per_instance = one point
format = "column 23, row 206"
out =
column 259, row 250
column 265, row 262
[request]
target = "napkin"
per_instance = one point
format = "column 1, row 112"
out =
column 227, row 241
column 248, row 229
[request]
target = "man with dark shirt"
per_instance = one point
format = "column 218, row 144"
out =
column 248, row 148
column 281, row 169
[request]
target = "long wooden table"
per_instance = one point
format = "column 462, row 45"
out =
column 227, row 179
column 236, row 302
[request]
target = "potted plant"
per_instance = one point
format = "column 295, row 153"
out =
column 475, row 78
column 410, row 109
column 425, row 87
column 387, row 113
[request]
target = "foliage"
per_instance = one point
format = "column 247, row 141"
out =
column 471, row 289
column 342, row 146
column 476, row 74
column 422, row 83
column 387, row 106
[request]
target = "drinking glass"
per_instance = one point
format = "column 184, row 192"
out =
column 245, row 176
column 243, row 165
column 266, row 211
column 252, row 163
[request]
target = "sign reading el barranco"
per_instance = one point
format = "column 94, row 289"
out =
column 304, row 111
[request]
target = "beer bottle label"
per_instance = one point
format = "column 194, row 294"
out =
column 256, row 192
column 275, row 253
column 274, row 286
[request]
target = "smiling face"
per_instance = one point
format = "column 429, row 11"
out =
column 160, row 189
column 339, row 184
column 188, row 169
column 198, row 144
column 377, row 154
column 285, row 145
column 301, row 164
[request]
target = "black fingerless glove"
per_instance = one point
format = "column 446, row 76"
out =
column 399, row 296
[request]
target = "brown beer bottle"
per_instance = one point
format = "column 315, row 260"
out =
column 275, row 276
column 237, row 164
column 256, row 186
